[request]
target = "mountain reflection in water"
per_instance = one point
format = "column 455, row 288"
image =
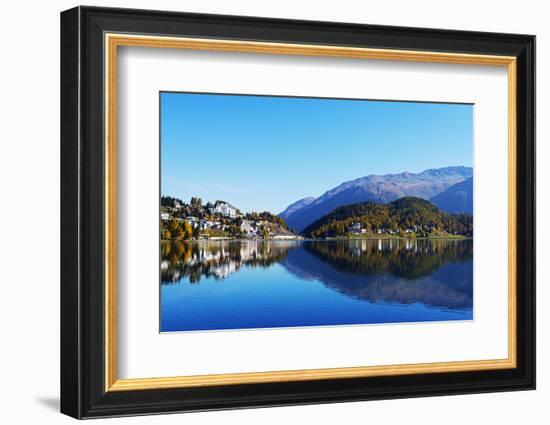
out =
column 255, row 284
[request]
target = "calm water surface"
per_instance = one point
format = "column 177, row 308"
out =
column 211, row 285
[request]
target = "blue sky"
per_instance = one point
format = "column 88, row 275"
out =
column 263, row 153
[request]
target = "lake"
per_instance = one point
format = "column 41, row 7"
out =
column 215, row 285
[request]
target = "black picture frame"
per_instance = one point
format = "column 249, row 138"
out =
column 83, row 392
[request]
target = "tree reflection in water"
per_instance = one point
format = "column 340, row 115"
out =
column 217, row 259
column 431, row 272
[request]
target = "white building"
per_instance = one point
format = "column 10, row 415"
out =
column 193, row 221
column 356, row 228
column 224, row 209
column 165, row 216
column 248, row 227
column 205, row 224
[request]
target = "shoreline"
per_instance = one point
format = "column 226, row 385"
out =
column 373, row 238
column 342, row 238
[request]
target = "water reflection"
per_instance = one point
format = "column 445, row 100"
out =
column 435, row 273
column 217, row 259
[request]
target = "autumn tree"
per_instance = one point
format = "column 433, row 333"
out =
column 187, row 230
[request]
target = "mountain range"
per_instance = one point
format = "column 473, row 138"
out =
column 292, row 208
column 456, row 199
column 450, row 188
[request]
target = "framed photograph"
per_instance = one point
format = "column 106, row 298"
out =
column 261, row 212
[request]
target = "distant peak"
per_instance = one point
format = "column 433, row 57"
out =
column 296, row 206
column 380, row 188
column 449, row 169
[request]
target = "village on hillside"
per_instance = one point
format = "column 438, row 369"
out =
column 218, row 220
column 407, row 217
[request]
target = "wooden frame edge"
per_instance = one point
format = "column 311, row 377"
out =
column 114, row 40
column 307, row 375
column 110, row 213
column 512, row 212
